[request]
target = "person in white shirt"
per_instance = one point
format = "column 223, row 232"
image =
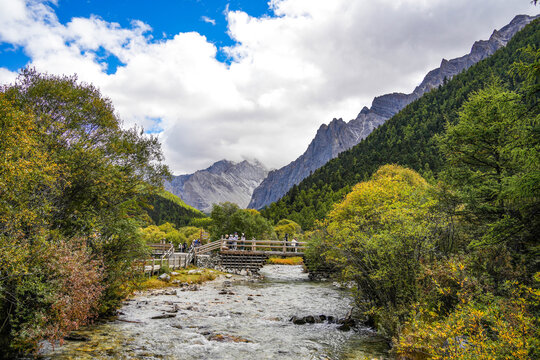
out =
column 294, row 243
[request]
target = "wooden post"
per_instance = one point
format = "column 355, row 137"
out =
column 284, row 246
column 253, row 245
column 153, row 265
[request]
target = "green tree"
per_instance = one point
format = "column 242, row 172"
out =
column 493, row 159
column 221, row 216
column 228, row 218
column 289, row 227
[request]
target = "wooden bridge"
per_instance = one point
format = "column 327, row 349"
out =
column 234, row 255
column 260, row 247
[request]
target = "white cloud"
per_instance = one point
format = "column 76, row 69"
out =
column 7, row 76
column 206, row 19
column 313, row 61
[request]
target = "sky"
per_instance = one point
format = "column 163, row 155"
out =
column 242, row 79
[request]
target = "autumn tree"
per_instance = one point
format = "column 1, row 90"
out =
column 73, row 184
column 378, row 235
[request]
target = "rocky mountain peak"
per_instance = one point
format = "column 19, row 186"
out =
column 220, row 166
column 222, row 181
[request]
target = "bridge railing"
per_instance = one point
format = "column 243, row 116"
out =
column 270, row 246
column 164, row 250
column 203, row 249
column 152, row 266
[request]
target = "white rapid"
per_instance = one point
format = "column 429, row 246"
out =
column 230, row 319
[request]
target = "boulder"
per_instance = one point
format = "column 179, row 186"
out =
column 298, row 321
column 165, row 277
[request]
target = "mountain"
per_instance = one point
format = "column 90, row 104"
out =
column 338, row 135
column 223, row 181
column 406, row 139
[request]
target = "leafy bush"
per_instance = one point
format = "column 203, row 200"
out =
column 487, row 327
column 60, row 293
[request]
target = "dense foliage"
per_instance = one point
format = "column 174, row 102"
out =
column 168, row 233
column 228, row 218
column 406, row 139
column 167, row 207
column 377, row 235
column 72, row 191
column 289, row 228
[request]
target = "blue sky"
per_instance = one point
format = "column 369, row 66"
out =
column 166, row 17
column 173, row 68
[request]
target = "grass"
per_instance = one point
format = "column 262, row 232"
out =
column 182, row 277
column 297, row 260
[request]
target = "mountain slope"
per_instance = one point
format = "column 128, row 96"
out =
column 339, row 135
column 221, row 182
column 167, row 207
column 406, row 139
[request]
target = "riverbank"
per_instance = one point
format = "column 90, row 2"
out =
column 180, row 277
column 230, row 317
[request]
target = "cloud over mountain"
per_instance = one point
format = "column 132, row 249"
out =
column 288, row 73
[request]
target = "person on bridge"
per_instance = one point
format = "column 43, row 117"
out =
column 235, row 241
column 242, row 242
column 294, row 244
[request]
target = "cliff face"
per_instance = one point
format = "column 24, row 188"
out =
column 221, row 182
column 339, row 135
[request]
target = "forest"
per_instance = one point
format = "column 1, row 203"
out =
column 166, row 207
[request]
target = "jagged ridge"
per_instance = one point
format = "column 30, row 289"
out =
column 339, row 135
column 223, row 181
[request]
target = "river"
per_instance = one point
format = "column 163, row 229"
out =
column 230, row 319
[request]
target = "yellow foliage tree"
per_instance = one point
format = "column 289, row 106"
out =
column 377, row 235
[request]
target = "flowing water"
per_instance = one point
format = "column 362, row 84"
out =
column 230, row 319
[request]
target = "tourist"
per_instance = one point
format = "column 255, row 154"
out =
column 242, row 242
column 286, row 242
column 235, row 241
column 294, row 244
